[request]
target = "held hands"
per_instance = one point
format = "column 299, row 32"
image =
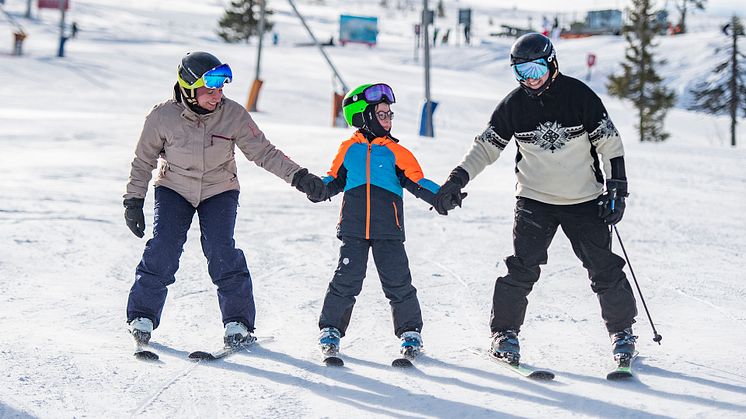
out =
column 611, row 204
column 134, row 216
column 450, row 196
column 311, row 185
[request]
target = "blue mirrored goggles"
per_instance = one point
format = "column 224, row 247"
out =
column 377, row 92
column 214, row 78
column 535, row 69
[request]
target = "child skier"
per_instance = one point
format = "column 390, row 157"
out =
column 372, row 168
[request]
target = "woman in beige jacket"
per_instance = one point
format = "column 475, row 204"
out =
column 191, row 140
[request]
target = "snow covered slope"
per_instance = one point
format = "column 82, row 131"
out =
column 68, row 130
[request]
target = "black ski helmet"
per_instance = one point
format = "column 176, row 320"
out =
column 195, row 64
column 533, row 46
column 192, row 67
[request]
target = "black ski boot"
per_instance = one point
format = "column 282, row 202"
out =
column 623, row 343
column 505, row 345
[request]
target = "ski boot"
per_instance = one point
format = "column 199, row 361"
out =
column 623, row 344
column 505, row 346
column 236, row 334
column 140, row 328
column 411, row 344
column 329, row 341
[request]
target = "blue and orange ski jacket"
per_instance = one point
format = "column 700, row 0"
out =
column 372, row 175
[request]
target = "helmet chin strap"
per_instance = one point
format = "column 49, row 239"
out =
column 372, row 124
column 189, row 98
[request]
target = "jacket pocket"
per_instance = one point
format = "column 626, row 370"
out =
column 396, row 216
column 341, row 211
column 215, row 138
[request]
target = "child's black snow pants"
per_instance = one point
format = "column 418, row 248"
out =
column 393, row 269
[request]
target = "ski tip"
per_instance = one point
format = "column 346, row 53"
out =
column 402, row 363
column 146, row 356
column 541, row 375
column 201, row 356
column 333, row 361
column 619, row 375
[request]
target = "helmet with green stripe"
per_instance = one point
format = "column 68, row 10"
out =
column 358, row 99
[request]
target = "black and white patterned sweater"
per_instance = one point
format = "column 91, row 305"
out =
column 563, row 137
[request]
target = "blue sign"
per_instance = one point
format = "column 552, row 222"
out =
column 361, row 29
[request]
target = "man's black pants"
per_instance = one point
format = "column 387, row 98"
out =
column 533, row 229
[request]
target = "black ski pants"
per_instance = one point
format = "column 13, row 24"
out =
column 533, row 229
column 393, row 269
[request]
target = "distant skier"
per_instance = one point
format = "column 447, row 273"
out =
column 195, row 135
column 563, row 136
column 372, row 169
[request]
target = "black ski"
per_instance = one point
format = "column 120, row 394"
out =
column 402, row 363
column 331, row 356
column 142, row 352
column 333, row 361
column 623, row 371
column 226, row 350
column 405, row 361
column 521, row 369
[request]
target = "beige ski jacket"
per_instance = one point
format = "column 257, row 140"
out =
column 195, row 154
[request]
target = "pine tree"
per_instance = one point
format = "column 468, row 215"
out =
column 724, row 91
column 683, row 6
column 639, row 81
column 241, row 21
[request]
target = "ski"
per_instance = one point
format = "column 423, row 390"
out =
column 405, row 361
column 623, row 371
column 331, row 356
column 226, row 350
column 333, row 361
column 402, row 363
column 521, row 369
column 142, row 352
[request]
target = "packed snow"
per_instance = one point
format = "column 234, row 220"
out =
column 69, row 127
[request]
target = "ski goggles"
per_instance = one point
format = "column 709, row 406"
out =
column 374, row 94
column 535, row 69
column 214, row 78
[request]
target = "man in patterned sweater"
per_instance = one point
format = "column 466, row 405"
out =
column 564, row 138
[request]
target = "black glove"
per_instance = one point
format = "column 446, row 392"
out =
column 611, row 204
column 324, row 195
column 450, row 196
column 311, row 185
column 134, row 217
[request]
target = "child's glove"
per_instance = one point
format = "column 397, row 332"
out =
column 450, row 196
column 325, row 195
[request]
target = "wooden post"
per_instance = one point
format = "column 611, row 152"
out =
column 254, row 95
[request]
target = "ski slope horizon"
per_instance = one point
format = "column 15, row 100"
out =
column 67, row 262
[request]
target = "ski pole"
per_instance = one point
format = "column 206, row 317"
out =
column 656, row 336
